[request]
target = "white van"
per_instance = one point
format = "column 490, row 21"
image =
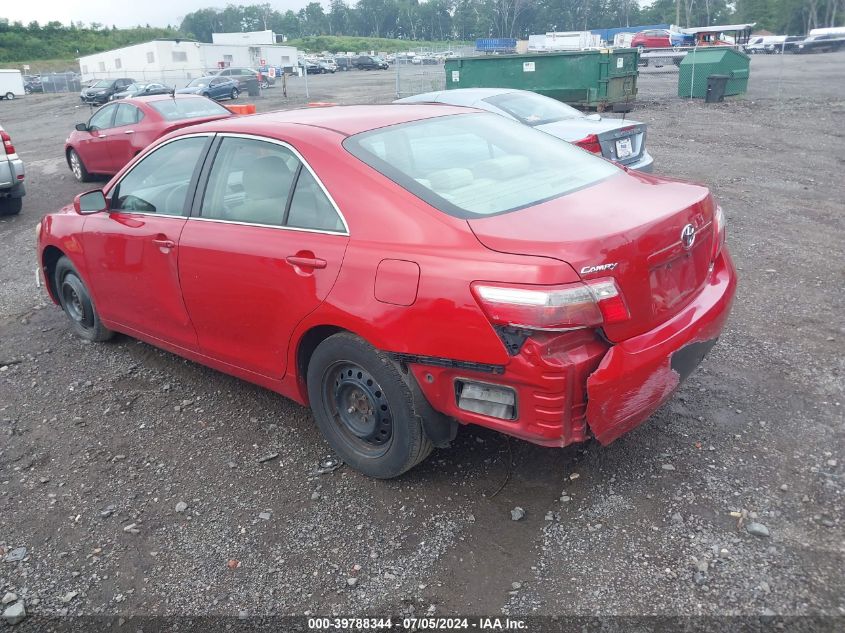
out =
column 764, row 43
column 11, row 84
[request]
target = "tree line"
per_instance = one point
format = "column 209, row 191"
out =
column 429, row 20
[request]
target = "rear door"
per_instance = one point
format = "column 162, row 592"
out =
column 261, row 251
column 93, row 148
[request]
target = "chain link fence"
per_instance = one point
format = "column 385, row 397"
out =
column 425, row 71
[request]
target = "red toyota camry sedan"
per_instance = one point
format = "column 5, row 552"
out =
column 118, row 131
column 403, row 270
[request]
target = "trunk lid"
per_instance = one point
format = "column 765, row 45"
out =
column 632, row 220
column 621, row 141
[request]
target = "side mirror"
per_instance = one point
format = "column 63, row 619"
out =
column 90, row 202
column 82, row 127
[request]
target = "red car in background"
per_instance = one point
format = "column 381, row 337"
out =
column 403, row 269
column 118, row 131
column 653, row 38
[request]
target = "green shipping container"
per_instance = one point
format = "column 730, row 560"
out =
column 700, row 63
column 600, row 79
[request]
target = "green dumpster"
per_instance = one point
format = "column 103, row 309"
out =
column 600, row 79
column 701, row 63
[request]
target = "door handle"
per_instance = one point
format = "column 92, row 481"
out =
column 306, row 262
column 164, row 243
column 129, row 132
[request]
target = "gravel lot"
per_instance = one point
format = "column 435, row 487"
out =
column 99, row 443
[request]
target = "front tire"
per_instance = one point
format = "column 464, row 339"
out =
column 234, row 94
column 10, row 95
column 364, row 408
column 77, row 166
column 77, row 303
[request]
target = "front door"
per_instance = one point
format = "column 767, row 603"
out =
column 132, row 251
column 122, row 134
column 260, row 253
column 93, row 148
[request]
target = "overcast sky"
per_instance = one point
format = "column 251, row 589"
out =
column 119, row 12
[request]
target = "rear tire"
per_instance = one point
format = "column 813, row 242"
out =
column 364, row 408
column 10, row 206
column 77, row 166
column 77, row 303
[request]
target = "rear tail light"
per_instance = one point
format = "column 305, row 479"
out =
column 590, row 143
column 552, row 308
column 719, row 231
column 7, row 142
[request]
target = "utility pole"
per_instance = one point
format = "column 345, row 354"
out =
column 678, row 13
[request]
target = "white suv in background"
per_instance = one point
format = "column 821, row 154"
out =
column 12, row 188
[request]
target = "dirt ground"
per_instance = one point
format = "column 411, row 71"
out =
column 96, row 437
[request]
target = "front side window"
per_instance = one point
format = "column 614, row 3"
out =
column 160, row 182
column 474, row 165
column 102, row 119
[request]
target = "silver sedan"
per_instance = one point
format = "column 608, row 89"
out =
column 619, row 140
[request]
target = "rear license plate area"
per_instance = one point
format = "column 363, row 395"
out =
column 624, row 148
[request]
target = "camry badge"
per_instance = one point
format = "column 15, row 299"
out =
column 586, row 270
column 688, row 236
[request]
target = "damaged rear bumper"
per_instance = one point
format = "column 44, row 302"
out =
column 638, row 375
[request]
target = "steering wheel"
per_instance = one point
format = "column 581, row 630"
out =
column 172, row 198
column 134, row 203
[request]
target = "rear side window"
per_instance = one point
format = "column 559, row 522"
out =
column 188, row 108
column 258, row 182
column 126, row 115
column 474, row 165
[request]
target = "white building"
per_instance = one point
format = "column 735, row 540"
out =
column 177, row 61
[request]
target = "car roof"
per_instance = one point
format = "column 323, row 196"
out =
column 461, row 96
column 164, row 97
column 346, row 120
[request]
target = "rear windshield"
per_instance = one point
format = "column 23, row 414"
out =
column 533, row 109
column 188, row 108
column 475, row 165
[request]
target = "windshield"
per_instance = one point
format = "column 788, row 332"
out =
column 199, row 83
column 102, row 83
column 188, row 108
column 474, row 165
column 533, row 109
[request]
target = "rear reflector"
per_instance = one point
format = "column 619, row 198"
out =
column 492, row 400
column 552, row 308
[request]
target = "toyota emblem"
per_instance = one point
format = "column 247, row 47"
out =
column 688, row 236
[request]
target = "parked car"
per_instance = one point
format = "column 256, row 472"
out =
column 32, row 83
column 121, row 130
column 101, row 91
column 143, row 89
column 243, row 75
column 312, row 68
column 328, row 66
column 620, row 140
column 368, row 62
column 344, row 63
column 12, row 176
column 826, row 43
column 212, row 87
column 652, row 38
column 403, row 269
column 789, row 45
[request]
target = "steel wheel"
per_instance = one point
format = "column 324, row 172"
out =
column 74, row 305
column 358, row 407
